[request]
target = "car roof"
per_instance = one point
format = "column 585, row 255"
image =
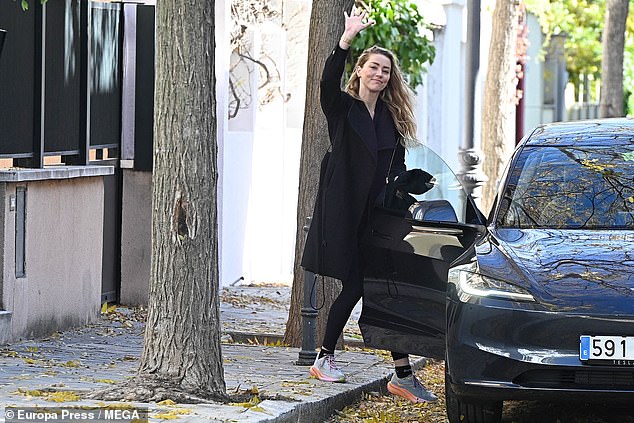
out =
column 595, row 132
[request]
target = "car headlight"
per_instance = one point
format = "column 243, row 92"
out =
column 469, row 282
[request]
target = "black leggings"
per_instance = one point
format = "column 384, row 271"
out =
column 342, row 307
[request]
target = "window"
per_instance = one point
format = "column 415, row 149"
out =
column 571, row 187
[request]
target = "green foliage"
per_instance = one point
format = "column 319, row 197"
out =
column 581, row 22
column 25, row 4
column 628, row 64
column 400, row 28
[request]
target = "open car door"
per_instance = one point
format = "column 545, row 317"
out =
column 407, row 258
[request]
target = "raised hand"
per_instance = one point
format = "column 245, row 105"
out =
column 356, row 21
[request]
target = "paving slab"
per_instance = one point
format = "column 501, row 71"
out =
column 89, row 358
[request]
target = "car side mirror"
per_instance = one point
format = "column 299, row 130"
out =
column 433, row 210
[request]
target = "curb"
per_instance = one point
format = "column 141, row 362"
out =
column 323, row 409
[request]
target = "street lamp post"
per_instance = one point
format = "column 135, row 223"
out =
column 471, row 174
column 309, row 317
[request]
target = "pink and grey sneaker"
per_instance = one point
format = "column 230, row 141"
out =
column 410, row 388
column 325, row 369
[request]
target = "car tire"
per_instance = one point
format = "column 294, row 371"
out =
column 460, row 411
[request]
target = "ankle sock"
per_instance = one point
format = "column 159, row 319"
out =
column 403, row 371
column 324, row 352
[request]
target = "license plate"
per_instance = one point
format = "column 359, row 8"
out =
column 606, row 348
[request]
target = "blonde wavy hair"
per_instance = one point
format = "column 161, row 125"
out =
column 397, row 95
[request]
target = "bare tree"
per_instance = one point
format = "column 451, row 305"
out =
column 498, row 124
column 613, row 40
column 247, row 16
column 326, row 26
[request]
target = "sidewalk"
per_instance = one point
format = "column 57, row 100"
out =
column 38, row 373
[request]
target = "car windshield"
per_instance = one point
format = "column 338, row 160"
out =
column 570, row 187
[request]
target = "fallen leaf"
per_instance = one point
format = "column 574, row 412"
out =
column 167, row 402
column 62, row 396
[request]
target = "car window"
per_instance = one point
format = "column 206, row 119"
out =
column 444, row 200
column 570, row 187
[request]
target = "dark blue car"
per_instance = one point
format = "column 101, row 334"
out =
column 535, row 302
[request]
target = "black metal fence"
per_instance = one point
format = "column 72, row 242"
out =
column 60, row 80
column 77, row 80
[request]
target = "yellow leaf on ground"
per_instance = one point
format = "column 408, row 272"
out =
column 63, row 396
column 110, row 381
column 166, row 402
column 249, row 404
column 105, row 309
column 173, row 413
column 30, row 393
column 293, row 383
column 55, row 396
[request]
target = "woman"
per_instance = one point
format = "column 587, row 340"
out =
column 369, row 124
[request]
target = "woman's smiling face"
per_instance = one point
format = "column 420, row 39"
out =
column 375, row 72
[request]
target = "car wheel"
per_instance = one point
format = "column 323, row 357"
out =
column 460, row 411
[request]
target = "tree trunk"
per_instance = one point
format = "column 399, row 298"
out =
column 326, row 26
column 611, row 103
column 182, row 337
column 498, row 123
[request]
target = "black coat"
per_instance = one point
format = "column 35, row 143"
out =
column 346, row 178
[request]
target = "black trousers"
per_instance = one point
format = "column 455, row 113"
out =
column 343, row 305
